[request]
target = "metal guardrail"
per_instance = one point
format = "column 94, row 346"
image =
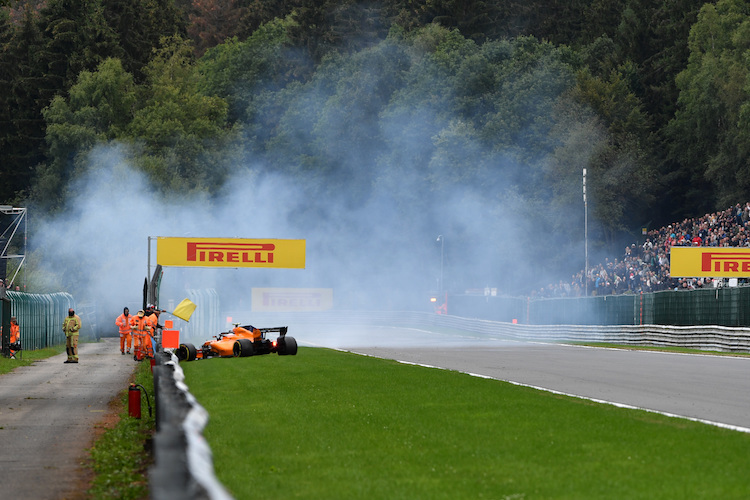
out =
column 706, row 337
column 183, row 464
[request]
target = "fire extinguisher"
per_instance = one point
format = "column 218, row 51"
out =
column 134, row 400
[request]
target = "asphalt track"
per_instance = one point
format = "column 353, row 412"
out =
column 713, row 389
column 48, row 412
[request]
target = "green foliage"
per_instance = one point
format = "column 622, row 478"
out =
column 99, row 109
column 22, row 127
column 707, row 131
column 182, row 131
column 619, row 173
column 77, row 38
column 140, row 25
column 236, row 70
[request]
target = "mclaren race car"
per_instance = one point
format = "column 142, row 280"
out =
column 242, row 341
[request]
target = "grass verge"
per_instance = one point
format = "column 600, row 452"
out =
column 681, row 350
column 328, row 424
column 27, row 358
column 120, row 456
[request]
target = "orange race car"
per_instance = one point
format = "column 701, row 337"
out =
column 242, row 341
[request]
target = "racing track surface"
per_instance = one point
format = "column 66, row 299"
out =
column 715, row 389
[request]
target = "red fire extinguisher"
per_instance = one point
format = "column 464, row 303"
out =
column 134, row 400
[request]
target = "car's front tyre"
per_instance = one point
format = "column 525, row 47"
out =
column 186, row 352
column 242, row 348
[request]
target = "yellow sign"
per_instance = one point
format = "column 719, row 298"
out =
column 230, row 252
column 709, row 262
column 291, row 299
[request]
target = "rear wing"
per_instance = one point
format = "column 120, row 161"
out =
column 280, row 329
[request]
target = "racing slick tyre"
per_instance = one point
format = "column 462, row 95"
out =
column 242, row 348
column 186, row 352
column 287, row 346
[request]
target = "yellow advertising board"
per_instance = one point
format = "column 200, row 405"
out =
column 709, row 262
column 230, row 252
column 291, row 299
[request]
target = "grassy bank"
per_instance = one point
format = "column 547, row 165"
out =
column 27, row 358
column 327, row 424
column 120, row 457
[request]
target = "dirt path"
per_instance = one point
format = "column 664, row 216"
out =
column 49, row 415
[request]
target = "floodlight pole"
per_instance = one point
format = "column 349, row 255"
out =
column 586, row 235
column 441, row 239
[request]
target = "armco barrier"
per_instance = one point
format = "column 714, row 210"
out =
column 711, row 337
column 183, row 465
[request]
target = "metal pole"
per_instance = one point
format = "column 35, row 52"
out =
column 441, row 239
column 25, row 242
column 586, row 234
column 148, row 272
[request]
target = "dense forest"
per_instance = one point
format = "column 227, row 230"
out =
column 470, row 119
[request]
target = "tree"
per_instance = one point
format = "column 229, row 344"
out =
column 708, row 131
column 213, row 22
column 336, row 25
column 256, row 13
column 7, row 73
column 99, row 109
column 139, row 26
column 77, row 37
column 23, row 128
column 238, row 70
column 181, row 131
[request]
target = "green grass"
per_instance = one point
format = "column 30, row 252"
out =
column 327, row 424
column 26, row 358
column 682, row 350
column 119, row 459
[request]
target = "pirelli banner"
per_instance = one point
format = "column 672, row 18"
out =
column 709, row 262
column 230, row 252
column 291, row 299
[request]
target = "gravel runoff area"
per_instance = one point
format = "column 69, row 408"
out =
column 49, row 416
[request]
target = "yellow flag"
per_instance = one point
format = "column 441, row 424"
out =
column 184, row 310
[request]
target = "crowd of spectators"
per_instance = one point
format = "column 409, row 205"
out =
column 645, row 267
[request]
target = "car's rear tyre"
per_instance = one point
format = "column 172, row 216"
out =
column 287, row 346
column 242, row 348
column 186, row 352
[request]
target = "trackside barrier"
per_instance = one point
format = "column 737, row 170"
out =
column 183, row 464
column 711, row 337
column 727, row 306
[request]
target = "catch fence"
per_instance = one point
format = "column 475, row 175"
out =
column 41, row 316
column 728, row 306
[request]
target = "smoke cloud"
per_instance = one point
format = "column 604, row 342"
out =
column 378, row 249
